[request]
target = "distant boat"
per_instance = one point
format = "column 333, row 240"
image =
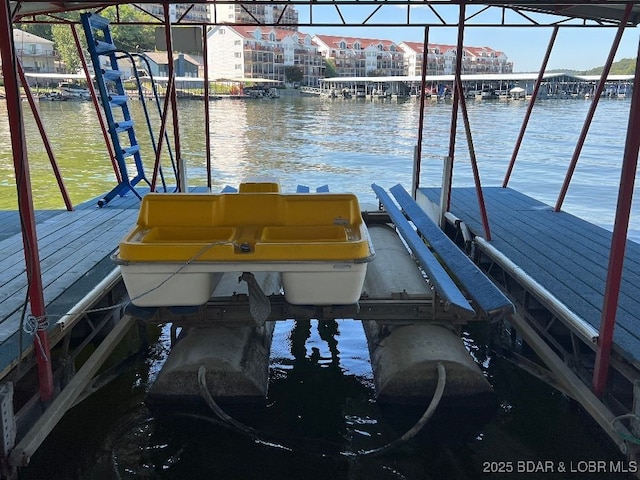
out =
column 53, row 97
column 74, row 90
column 517, row 92
column 487, row 94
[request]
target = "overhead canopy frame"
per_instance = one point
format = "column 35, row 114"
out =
column 588, row 12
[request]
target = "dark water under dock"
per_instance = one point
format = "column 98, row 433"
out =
column 319, row 413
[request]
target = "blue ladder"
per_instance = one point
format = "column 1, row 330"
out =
column 100, row 44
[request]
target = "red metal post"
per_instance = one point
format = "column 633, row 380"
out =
column 527, row 115
column 94, row 98
column 163, row 129
column 474, row 162
column 43, row 135
column 207, row 127
column 169, row 96
column 618, row 240
column 456, row 95
column 592, row 108
column 174, row 102
column 25, row 205
column 423, row 85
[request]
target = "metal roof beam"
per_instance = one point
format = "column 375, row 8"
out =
column 596, row 11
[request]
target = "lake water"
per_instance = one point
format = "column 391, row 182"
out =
column 325, row 412
column 347, row 145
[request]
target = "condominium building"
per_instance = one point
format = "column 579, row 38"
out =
column 236, row 52
column 441, row 59
column 260, row 40
column 282, row 16
column 360, row 57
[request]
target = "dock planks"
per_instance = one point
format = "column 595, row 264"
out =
column 565, row 254
column 71, row 245
column 74, row 248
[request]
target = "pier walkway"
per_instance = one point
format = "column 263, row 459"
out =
column 74, row 252
column 566, row 255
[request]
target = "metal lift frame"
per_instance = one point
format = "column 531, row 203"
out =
column 566, row 14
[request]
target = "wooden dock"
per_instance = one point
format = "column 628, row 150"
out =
column 565, row 254
column 554, row 267
column 74, row 250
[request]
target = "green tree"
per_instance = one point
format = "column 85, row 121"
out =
column 130, row 37
column 66, row 45
column 42, row 30
column 329, row 67
column 293, row 74
column 626, row 66
column 125, row 37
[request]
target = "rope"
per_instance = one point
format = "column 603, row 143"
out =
column 153, row 289
column 241, row 427
column 126, row 303
column 32, row 326
column 256, row 436
column 426, row 416
column 634, row 426
column 182, row 267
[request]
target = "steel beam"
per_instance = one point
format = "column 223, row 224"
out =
column 527, row 116
column 618, row 239
column 21, row 454
column 44, row 136
column 207, row 126
column 181, row 180
column 415, row 184
column 592, row 110
column 25, row 206
column 234, row 310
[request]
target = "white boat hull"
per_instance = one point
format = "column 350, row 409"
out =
column 304, row 283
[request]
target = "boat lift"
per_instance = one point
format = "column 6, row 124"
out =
column 599, row 14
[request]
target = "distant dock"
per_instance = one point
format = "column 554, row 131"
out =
column 501, row 86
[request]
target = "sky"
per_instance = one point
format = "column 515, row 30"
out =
column 574, row 49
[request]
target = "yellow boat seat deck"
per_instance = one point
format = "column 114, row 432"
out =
column 253, row 225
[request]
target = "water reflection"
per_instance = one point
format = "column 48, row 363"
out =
column 345, row 144
column 313, row 393
column 319, row 414
column 321, row 399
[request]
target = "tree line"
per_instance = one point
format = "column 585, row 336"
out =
column 626, row 66
column 131, row 38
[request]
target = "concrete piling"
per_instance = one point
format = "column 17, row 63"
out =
column 404, row 357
